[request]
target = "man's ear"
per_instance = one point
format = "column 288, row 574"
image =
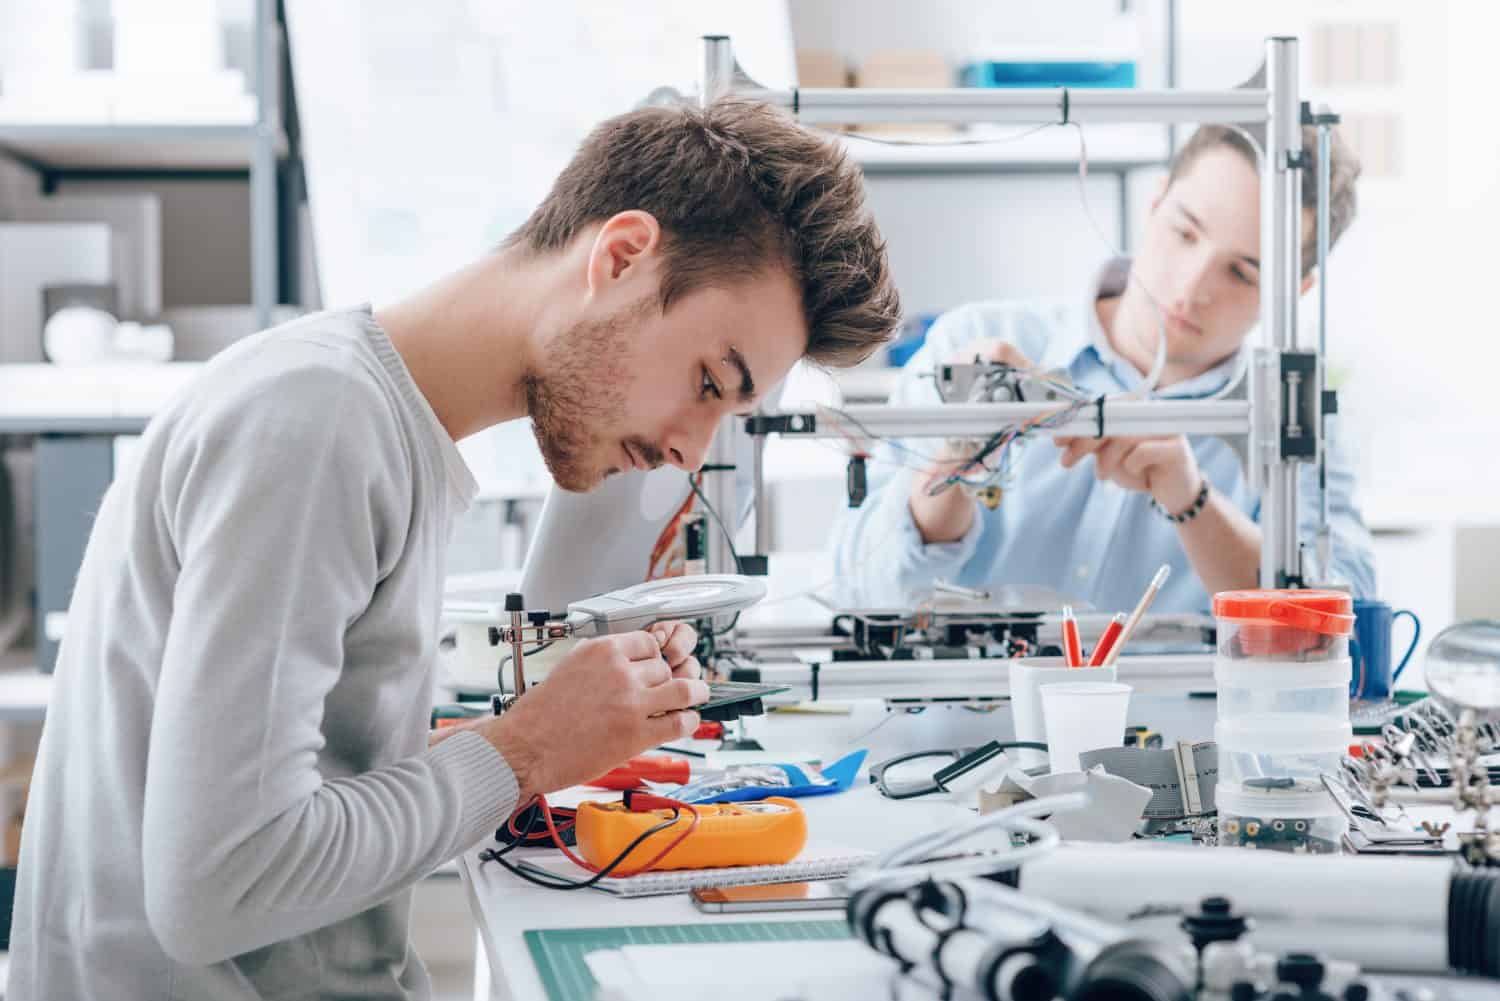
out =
column 625, row 242
column 1309, row 280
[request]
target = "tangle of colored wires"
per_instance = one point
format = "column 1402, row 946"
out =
column 539, row 808
column 999, row 445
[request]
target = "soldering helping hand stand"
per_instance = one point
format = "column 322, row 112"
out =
column 538, row 628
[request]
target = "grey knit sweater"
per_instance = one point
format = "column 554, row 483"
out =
column 234, row 792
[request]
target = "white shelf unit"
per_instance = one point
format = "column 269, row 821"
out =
column 68, row 151
column 1115, row 151
column 59, row 152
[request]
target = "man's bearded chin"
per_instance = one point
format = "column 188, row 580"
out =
column 565, row 444
column 577, row 399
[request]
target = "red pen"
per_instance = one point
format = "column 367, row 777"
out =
column 1072, row 645
column 1111, row 633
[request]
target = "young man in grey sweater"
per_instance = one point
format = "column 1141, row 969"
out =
column 236, row 788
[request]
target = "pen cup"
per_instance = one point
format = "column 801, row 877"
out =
column 1026, row 680
column 1082, row 717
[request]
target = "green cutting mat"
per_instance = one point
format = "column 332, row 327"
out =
column 559, row 952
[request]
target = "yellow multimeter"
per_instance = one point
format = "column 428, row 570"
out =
column 765, row 832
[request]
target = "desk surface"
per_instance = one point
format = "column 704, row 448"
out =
column 505, row 907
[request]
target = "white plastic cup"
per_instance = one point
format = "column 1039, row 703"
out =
column 1082, row 716
column 1026, row 681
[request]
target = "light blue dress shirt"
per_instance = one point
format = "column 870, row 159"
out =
column 1063, row 528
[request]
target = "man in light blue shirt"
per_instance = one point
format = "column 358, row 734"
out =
column 1180, row 500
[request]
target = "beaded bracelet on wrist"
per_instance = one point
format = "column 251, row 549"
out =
column 1190, row 512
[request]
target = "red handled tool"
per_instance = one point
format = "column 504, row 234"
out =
column 647, row 768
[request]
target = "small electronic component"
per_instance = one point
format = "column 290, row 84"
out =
column 1142, row 736
column 1280, row 813
column 990, row 461
column 768, row 832
column 1284, row 834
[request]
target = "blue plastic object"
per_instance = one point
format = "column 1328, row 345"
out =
column 1061, row 73
column 913, row 336
column 841, row 773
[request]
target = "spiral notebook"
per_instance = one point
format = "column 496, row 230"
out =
column 815, row 862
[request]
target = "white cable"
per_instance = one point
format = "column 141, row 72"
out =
column 904, row 863
column 1243, row 364
column 943, row 143
column 1146, row 388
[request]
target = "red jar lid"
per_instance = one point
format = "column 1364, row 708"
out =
column 1328, row 612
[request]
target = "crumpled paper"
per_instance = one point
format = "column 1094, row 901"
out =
column 1114, row 811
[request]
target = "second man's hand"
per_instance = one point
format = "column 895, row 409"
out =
column 609, row 699
column 946, row 516
column 1165, row 467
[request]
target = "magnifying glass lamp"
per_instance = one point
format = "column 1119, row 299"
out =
column 1463, row 668
column 639, row 606
column 701, row 596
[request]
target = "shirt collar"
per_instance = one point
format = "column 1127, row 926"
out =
column 1110, row 281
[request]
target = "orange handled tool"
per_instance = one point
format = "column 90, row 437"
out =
column 647, row 768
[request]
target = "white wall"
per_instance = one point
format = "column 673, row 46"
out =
column 957, row 239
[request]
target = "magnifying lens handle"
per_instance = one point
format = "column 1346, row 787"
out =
column 584, row 622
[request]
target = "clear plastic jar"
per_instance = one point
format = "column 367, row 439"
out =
column 1303, row 822
column 1259, row 687
column 1280, row 751
column 1283, row 627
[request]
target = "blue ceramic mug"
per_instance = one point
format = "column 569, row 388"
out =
column 1370, row 649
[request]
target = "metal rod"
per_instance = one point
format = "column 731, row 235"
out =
column 758, row 491
column 1122, row 192
column 1280, row 236
column 517, row 650
column 718, row 482
column 717, row 70
column 1325, row 222
column 1121, row 417
column 1156, row 674
column 1025, row 106
column 1171, row 45
column 720, row 76
column 263, row 222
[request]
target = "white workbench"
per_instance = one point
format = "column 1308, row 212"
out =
column 505, row 907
